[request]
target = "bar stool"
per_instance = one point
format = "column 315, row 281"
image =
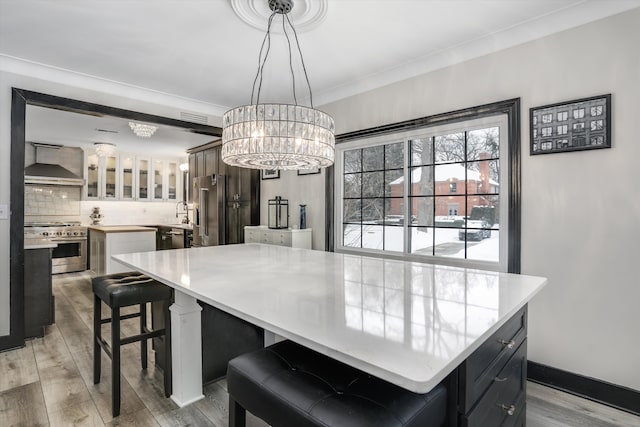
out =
column 122, row 290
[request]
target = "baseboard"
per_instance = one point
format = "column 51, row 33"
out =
column 616, row 396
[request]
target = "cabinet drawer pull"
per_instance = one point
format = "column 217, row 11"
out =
column 509, row 344
column 500, row 380
column 509, row 409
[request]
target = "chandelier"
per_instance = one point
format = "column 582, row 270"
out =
column 141, row 130
column 278, row 136
column 104, row 149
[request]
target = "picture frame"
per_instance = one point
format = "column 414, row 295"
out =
column 270, row 174
column 581, row 124
column 314, row 171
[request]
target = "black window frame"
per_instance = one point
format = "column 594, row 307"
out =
column 510, row 108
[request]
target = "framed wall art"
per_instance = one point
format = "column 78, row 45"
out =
column 308, row 171
column 270, row 173
column 583, row 124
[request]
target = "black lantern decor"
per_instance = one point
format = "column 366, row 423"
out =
column 278, row 213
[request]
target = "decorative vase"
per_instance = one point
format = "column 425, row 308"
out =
column 95, row 216
column 303, row 217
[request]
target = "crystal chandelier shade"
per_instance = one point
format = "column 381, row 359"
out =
column 104, row 149
column 142, row 130
column 278, row 136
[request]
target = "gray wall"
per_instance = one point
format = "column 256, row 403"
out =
column 580, row 209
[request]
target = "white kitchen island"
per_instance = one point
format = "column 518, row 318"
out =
column 408, row 323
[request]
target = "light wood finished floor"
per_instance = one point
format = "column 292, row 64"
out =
column 50, row 382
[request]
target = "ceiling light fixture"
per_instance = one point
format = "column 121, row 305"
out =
column 278, row 136
column 104, row 149
column 141, row 130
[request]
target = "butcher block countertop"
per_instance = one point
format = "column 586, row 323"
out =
column 120, row 228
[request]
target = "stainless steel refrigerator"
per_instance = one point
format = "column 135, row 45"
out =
column 209, row 222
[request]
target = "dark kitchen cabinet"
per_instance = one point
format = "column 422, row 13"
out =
column 492, row 381
column 39, row 303
column 200, row 169
column 211, row 156
column 242, row 201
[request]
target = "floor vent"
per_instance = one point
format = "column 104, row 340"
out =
column 194, row 118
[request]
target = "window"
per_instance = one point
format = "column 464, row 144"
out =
column 563, row 116
column 436, row 193
column 562, row 130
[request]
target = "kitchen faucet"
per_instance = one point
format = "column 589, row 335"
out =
column 185, row 206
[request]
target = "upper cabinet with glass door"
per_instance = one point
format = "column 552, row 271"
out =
column 134, row 177
column 101, row 177
column 166, row 181
column 131, row 177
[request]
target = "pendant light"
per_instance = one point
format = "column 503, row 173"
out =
column 278, row 136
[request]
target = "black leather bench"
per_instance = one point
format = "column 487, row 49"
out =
column 123, row 290
column 290, row 385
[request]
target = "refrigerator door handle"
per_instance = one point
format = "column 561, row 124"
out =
column 204, row 202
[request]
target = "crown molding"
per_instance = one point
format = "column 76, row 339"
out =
column 23, row 67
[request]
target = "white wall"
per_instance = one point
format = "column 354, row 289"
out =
column 298, row 189
column 581, row 209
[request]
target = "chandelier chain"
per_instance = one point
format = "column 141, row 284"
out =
column 293, row 75
column 304, row 68
column 261, row 62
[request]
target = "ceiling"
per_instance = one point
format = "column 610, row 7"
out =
column 203, row 50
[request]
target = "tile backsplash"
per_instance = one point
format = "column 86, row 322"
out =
column 49, row 200
column 131, row 213
column 63, row 203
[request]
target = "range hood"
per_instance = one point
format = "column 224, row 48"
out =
column 47, row 170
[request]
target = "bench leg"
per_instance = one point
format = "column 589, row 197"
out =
column 143, row 343
column 237, row 414
column 115, row 361
column 97, row 335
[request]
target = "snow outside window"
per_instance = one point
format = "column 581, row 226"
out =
column 394, row 194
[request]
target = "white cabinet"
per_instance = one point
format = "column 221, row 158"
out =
column 101, row 177
column 280, row 237
column 166, row 180
column 105, row 241
column 131, row 177
column 134, row 177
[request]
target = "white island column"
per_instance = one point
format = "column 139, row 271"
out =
column 186, row 349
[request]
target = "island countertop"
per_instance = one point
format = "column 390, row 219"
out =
column 406, row 322
column 120, row 228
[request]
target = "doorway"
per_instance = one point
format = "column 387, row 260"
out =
column 19, row 101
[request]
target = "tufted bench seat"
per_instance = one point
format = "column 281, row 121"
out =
column 122, row 290
column 290, row 385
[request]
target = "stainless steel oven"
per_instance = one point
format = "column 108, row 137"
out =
column 71, row 253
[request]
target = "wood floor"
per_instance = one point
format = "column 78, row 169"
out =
column 50, row 382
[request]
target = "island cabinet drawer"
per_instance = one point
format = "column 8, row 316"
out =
column 504, row 402
column 480, row 369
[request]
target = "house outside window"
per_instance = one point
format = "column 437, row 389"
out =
column 432, row 193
